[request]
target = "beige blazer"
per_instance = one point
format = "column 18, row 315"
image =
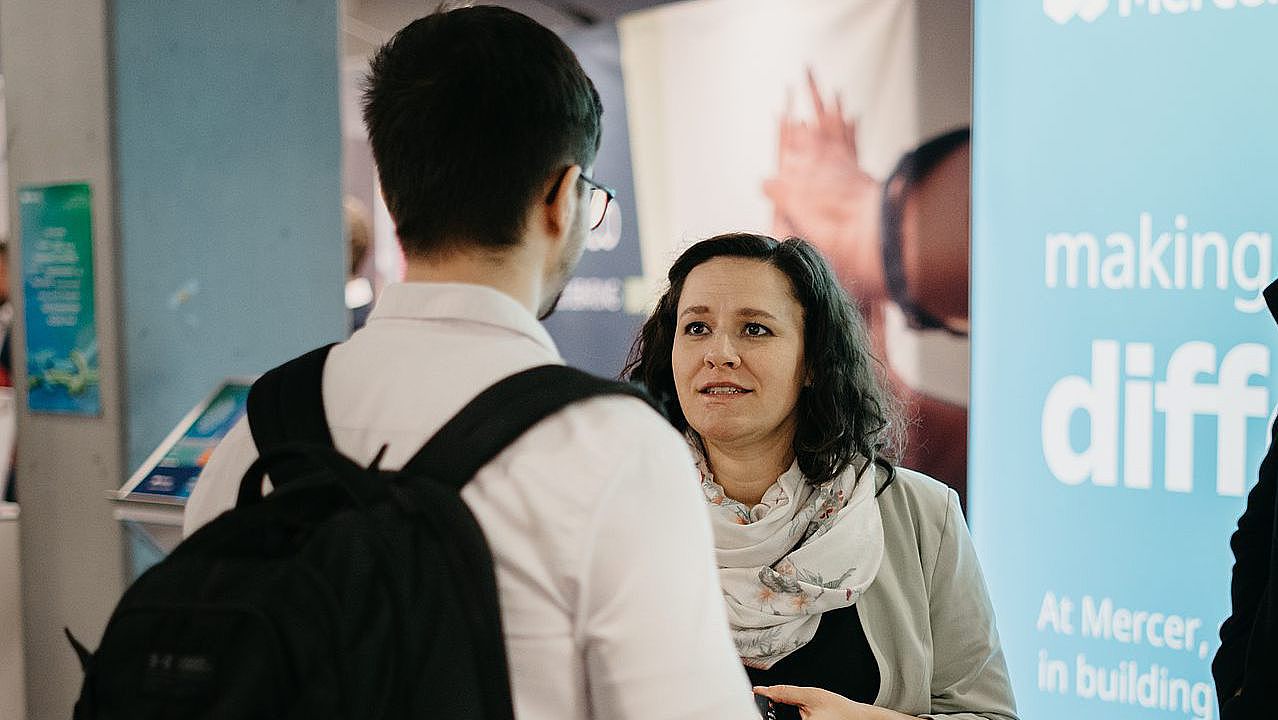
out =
column 928, row 616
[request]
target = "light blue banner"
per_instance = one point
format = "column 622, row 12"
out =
column 1123, row 213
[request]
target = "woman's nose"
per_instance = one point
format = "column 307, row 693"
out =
column 722, row 353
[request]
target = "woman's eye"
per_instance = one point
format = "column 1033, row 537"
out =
column 756, row 330
column 696, row 328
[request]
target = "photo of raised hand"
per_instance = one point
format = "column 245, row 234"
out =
column 900, row 248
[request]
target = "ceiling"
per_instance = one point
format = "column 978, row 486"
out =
column 600, row 10
column 366, row 24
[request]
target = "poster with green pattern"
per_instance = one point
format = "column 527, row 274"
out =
column 57, row 284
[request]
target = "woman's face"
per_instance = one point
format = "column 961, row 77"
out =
column 738, row 353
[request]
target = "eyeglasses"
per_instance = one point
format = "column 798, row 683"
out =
column 600, row 196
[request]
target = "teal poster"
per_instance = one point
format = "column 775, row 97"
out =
column 1123, row 357
column 57, row 284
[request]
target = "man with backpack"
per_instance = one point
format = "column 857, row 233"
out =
column 484, row 129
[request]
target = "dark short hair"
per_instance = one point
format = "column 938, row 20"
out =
column 845, row 411
column 469, row 112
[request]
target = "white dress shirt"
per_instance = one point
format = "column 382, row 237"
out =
column 608, row 589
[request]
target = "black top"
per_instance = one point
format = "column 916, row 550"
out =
column 838, row 658
column 1247, row 661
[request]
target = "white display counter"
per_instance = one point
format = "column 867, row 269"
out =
column 12, row 688
column 151, row 531
column 149, row 506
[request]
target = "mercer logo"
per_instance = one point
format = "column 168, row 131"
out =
column 1062, row 11
column 1122, row 398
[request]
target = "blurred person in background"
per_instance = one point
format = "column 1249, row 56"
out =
column 359, row 240
column 8, row 482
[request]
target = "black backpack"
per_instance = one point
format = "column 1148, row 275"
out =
column 347, row 592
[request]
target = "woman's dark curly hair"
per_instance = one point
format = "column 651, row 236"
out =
column 845, row 411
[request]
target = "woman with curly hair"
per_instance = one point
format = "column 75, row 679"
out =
column 852, row 585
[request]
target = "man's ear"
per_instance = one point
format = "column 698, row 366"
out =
column 562, row 201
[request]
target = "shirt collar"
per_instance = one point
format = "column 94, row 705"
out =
column 458, row 301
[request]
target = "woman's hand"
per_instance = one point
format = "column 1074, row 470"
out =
column 818, row 704
column 821, row 193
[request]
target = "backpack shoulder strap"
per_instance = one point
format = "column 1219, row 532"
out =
column 502, row 413
column 286, row 405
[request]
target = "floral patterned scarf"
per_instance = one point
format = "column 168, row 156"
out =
column 803, row 550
